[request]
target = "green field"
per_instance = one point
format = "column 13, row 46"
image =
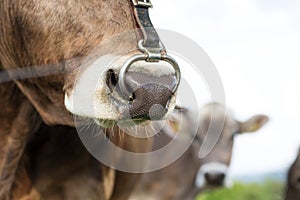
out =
column 269, row 190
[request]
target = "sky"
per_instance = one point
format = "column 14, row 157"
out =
column 255, row 46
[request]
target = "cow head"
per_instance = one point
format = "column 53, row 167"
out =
column 293, row 190
column 214, row 167
column 133, row 87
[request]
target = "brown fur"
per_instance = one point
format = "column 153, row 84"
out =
column 50, row 34
column 18, row 120
column 54, row 36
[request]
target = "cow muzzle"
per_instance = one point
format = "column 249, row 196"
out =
column 146, row 90
column 212, row 175
column 144, row 83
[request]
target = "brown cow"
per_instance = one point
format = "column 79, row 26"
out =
column 186, row 177
column 50, row 42
column 293, row 184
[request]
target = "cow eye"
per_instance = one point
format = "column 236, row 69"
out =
column 296, row 181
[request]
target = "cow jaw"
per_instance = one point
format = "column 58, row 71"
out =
column 91, row 96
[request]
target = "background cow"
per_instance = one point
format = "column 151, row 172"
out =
column 293, row 184
column 50, row 43
column 187, row 176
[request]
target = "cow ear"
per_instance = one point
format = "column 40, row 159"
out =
column 253, row 124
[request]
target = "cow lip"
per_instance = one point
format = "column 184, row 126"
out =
column 108, row 123
column 105, row 123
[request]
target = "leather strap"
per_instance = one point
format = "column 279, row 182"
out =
column 141, row 10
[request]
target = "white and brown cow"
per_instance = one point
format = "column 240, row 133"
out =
column 50, row 42
column 189, row 175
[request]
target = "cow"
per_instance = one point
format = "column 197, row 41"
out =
column 189, row 175
column 53, row 44
column 293, row 181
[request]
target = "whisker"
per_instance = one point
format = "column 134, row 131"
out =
column 112, row 131
column 136, row 130
column 147, row 134
column 119, row 132
column 122, row 134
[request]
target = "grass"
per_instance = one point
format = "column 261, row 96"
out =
column 269, row 190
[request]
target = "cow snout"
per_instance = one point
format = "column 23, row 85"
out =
column 215, row 178
column 212, row 175
column 147, row 94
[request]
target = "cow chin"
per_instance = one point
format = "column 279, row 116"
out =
column 98, row 97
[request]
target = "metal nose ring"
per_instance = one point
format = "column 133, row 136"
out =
column 148, row 56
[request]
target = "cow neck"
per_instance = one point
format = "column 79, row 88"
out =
column 141, row 12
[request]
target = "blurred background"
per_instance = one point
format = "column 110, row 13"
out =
column 255, row 46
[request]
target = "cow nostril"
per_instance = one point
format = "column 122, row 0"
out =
column 132, row 97
column 298, row 181
column 215, row 178
column 111, row 79
column 222, row 177
column 206, row 175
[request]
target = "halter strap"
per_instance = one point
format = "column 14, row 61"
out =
column 151, row 43
column 153, row 50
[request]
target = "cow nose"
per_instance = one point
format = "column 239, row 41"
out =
column 148, row 94
column 215, row 178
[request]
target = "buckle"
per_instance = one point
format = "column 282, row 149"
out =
column 142, row 3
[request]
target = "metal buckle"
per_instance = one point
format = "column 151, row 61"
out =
column 153, row 54
column 142, row 3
